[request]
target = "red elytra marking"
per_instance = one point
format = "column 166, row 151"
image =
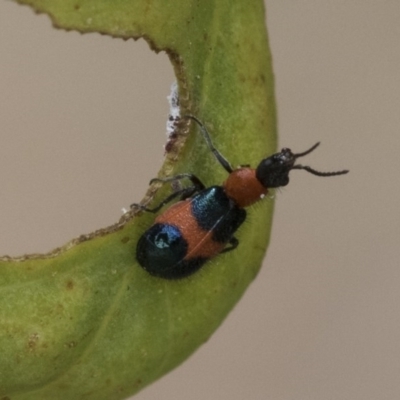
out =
column 200, row 242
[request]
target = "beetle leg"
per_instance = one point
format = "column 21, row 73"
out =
column 221, row 159
column 193, row 178
column 234, row 242
column 183, row 193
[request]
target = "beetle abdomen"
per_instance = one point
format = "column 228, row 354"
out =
column 161, row 251
column 188, row 233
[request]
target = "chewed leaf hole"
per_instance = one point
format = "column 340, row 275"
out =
column 83, row 130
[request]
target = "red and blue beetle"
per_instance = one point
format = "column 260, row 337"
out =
column 203, row 223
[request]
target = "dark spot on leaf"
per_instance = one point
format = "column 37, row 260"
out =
column 242, row 78
column 171, row 142
column 125, row 239
column 32, row 341
column 70, row 285
column 63, row 386
column 59, row 308
column 5, row 398
column 77, row 7
column 138, row 382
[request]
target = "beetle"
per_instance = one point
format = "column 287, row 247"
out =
column 203, row 223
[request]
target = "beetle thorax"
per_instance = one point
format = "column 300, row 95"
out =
column 243, row 187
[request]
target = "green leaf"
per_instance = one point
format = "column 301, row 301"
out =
column 87, row 322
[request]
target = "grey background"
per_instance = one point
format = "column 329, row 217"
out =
column 81, row 115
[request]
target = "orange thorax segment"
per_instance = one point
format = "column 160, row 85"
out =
column 243, row 187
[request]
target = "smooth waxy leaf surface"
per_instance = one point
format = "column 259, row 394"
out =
column 85, row 321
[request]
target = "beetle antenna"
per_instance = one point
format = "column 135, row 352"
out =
column 319, row 173
column 307, row 151
column 312, row 170
column 221, row 159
